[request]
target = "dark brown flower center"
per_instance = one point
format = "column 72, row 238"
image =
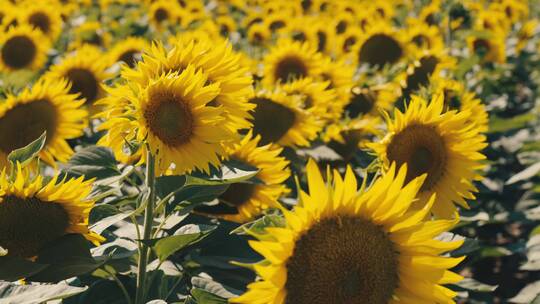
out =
column 290, row 68
column 420, row 75
column 18, row 52
column 41, row 21
column 362, row 102
column 237, row 194
column 271, row 120
column 342, row 260
column 423, row 150
column 380, row 49
column 169, row 118
column 83, row 82
column 321, row 39
column 25, row 123
column 481, row 46
column 27, row 224
column 421, row 40
column 130, row 57
column 161, row 15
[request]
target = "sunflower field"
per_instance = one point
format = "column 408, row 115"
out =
column 269, row 151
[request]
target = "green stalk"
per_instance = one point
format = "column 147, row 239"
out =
column 147, row 233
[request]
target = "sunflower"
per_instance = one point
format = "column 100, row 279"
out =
column 258, row 34
column 92, row 33
column 325, row 36
column 22, row 47
column 457, row 98
column 347, row 136
column 514, row 11
column 421, row 35
column 431, row 14
column 380, row 45
column 371, row 100
column 163, row 12
column 318, row 99
column 47, row 106
column 340, row 75
column 491, row 20
column 428, row 64
column 128, row 51
column 489, row 46
column 245, row 201
column 171, row 113
column 280, row 118
column 85, row 71
column 342, row 21
column 227, row 25
column 34, row 213
column 526, row 33
column 442, row 144
column 349, row 40
column 221, row 66
column 45, row 17
column 341, row 246
column 289, row 60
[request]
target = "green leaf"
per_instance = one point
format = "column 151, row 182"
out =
column 165, row 247
column 29, row 294
column 26, row 154
column 497, row 124
column 93, row 161
column 258, row 226
column 205, row 297
column 67, row 257
column 13, row 269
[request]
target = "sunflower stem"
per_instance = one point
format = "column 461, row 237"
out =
column 147, row 233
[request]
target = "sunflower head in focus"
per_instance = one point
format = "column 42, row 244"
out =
column 47, row 106
column 85, row 71
column 128, row 51
column 442, row 144
column 381, row 45
column 221, row 66
column 34, row 213
column 43, row 16
column 245, row 201
column 172, row 115
column 342, row 246
column 289, row 60
column 281, row 119
column 22, row 47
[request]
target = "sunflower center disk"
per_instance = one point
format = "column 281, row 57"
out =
column 379, row 50
column 130, row 57
column 18, row 52
column 342, row 260
column 420, row 75
column 271, row 120
column 26, row 225
column 237, row 194
column 169, row 119
column 361, row 103
column 40, row 21
column 161, row 15
column 83, row 82
column 25, row 123
column 423, row 150
column 481, row 46
column 290, row 68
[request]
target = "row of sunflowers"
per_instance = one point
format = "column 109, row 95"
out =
column 257, row 151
